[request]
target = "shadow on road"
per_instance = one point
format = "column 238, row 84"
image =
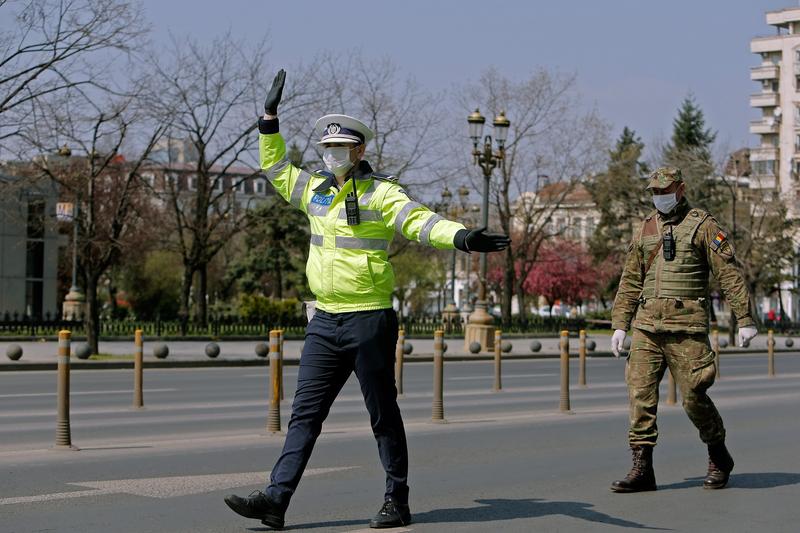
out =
column 495, row 510
column 763, row 480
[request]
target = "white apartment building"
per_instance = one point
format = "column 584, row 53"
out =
column 775, row 162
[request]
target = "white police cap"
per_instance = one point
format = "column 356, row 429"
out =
column 342, row 129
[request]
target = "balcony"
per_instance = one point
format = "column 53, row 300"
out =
column 764, row 126
column 764, row 153
column 765, row 72
column 764, row 100
column 763, row 182
column 771, row 43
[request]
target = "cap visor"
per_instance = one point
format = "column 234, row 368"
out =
column 331, row 140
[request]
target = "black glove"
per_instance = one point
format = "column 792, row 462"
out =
column 275, row 93
column 478, row 240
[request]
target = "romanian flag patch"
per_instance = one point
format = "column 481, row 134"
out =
column 719, row 240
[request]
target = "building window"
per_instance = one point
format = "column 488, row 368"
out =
column 260, row 186
column 589, row 227
column 36, row 219
column 575, row 230
column 764, row 168
column 33, row 298
column 34, row 259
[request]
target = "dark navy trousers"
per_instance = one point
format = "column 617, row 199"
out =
column 336, row 345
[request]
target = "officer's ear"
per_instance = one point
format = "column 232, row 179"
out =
column 359, row 150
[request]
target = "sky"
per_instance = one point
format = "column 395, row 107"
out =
column 635, row 60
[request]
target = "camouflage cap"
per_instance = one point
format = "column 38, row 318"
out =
column 663, row 177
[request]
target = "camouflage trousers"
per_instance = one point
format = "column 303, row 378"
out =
column 690, row 359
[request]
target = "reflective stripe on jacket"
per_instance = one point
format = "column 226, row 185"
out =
column 348, row 267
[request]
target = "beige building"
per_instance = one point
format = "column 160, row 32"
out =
column 775, row 162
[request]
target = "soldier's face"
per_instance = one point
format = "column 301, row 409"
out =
column 674, row 187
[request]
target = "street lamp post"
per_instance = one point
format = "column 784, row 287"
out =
column 73, row 306
column 480, row 321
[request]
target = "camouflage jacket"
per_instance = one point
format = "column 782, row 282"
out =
column 656, row 313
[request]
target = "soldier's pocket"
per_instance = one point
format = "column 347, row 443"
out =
column 704, row 371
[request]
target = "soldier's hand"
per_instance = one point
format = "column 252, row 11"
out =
column 479, row 241
column 275, row 93
column 746, row 334
column 617, row 341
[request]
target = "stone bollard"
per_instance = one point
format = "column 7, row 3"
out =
column 498, row 344
column 715, row 347
column 564, row 400
column 399, row 354
column 771, row 353
column 138, row 374
column 582, row 358
column 672, row 394
column 274, row 416
column 437, row 411
column 63, row 433
column 14, row 352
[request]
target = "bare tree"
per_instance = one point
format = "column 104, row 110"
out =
column 54, row 45
column 98, row 167
column 211, row 95
column 552, row 136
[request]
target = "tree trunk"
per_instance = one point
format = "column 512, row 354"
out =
column 186, row 288
column 523, row 306
column 508, row 288
column 92, row 319
column 200, row 295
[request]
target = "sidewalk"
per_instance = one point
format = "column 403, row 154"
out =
column 42, row 355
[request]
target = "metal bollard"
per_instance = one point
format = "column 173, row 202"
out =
column 274, row 417
column 672, row 393
column 398, row 364
column 582, row 358
column 715, row 347
column 138, row 375
column 771, row 352
column 498, row 341
column 63, row 433
column 564, row 403
column 437, row 412
column 280, row 362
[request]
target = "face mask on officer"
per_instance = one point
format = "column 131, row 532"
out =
column 337, row 159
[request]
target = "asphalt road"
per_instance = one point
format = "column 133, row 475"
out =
column 507, row 461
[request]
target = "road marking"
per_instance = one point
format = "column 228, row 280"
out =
column 505, row 376
column 164, row 487
column 81, row 393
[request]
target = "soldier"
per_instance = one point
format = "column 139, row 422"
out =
column 354, row 213
column 664, row 291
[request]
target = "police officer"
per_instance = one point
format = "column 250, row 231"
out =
column 353, row 212
column 664, row 291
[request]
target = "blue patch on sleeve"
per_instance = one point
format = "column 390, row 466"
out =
column 322, row 199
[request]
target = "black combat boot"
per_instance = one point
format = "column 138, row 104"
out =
column 259, row 506
column 641, row 477
column 720, row 465
column 391, row 515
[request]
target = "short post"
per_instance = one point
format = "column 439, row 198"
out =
column 274, row 417
column 280, row 362
column 564, row 403
column 399, row 353
column 63, row 433
column 771, row 352
column 138, row 376
column 498, row 341
column 715, row 347
column 582, row 358
column 437, row 412
column 672, row 394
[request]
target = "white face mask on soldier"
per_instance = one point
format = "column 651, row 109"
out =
column 665, row 202
column 337, row 160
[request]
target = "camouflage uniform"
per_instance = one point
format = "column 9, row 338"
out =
column 668, row 305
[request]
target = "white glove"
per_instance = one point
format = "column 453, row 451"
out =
column 745, row 334
column 616, row 341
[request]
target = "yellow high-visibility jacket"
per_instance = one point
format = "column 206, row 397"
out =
column 348, row 268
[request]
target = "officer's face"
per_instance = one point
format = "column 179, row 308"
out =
column 356, row 151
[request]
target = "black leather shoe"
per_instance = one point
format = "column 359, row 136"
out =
column 258, row 506
column 720, row 465
column 391, row 515
column 641, row 477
